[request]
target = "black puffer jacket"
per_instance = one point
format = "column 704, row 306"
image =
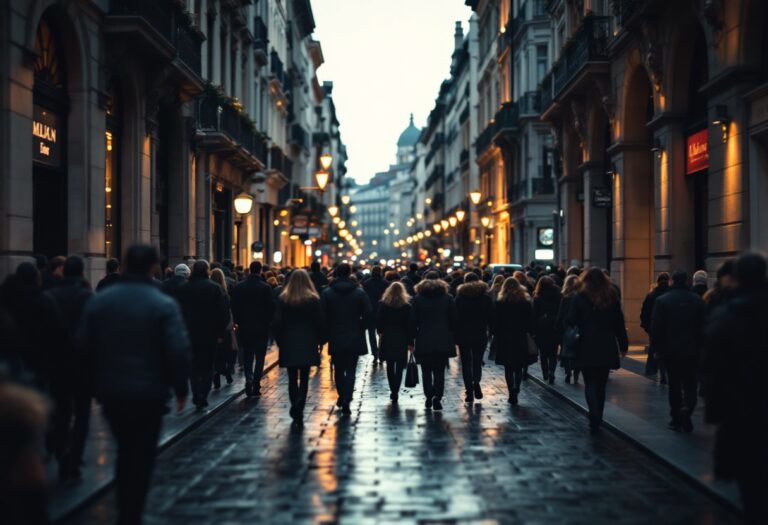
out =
column 602, row 333
column 677, row 328
column 511, row 323
column 205, row 312
column 253, row 306
column 393, row 328
column 473, row 307
column 433, row 320
column 348, row 314
column 545, row 310
column 299, row 332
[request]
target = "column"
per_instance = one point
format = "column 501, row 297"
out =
column 215, row 59
column 203, row 18
column 250, row 82
column 238, row 67
column 202, row 196
column 595, row 219
column 226, row 80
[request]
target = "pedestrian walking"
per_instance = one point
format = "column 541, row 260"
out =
column 496, row 284
column 654, row 365
column 319, row 280
column 511, row 324
column 546, row 304
column 180, row 277
column 70, row 378
column 411, row 279
column 375, row 286
column 473, row 309
column 596, row 313
column 226, row 350
column 677, row 332
column 348, row 315
column 700, row 283
column 724, row 288
column 299, row 329
column 113, row 275
column 253, row 307
column 206, row 314
column 392, row 324
column 735, row 364
column 433, row 322
column 567, row 293
column 135, row 339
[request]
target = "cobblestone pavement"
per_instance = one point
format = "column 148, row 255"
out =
column 483, row 464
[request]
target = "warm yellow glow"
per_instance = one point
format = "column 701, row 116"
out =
column 485, row 221
column 460, row 215
column 437, row 227
column 386, row 231
column 444, row 224
column 322, row 178
column 345, row 199
column 243, row 203
column 336, row 220
column 420, row 235
column 428, row 201
column 283, row 213
column 397, row 232
column 359, row 233
column 333, row 210
column 427, row 233
column 353, row 209
column 419, row 216
column 283, row 232
column 294, row 237
column 409, row 239
column 344, row 233
column 342, row 224
column 326, row 159
column 475, row 196
column 353, row 223
column 276, row 222
column 452, row 221
column 108, row 135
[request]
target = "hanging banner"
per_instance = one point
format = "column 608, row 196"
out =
column 697, row 153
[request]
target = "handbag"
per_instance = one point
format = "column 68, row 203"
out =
column 533, row 351
column 571, row 339
column 411, row 373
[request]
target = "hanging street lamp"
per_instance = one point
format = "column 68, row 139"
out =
column 243, row 203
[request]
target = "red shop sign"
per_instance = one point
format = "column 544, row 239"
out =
column 697, row 154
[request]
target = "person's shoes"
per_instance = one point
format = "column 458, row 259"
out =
column 552, row 380
column 229, row 379
column 216, row 381
column 292, row 412
column 469, row 397
column 436, row 404
column 248, row 388
column 346, row 410
column 393, row 397
column 575, row 379
column 674, row 425
column 686, row 423
column 339, row 403
column 512, row 399
column 478, row 391
column 428, row 403
column 256, row 390
column 567, row 378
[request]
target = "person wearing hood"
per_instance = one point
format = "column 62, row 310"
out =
column 207, row 316
column 473, row 308
column 546, row 303
column 180, row 277
column 433, row 321
column 348, row 314
column 70, row 382
column 375, row 286
column 735, row 364
column 646, row 315
column 677, row 332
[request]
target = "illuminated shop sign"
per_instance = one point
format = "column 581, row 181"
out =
column 697, row 152
column 45, row 137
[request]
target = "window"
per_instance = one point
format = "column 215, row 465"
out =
column 541, row 62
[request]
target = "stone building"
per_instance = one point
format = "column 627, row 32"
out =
column 658, row 111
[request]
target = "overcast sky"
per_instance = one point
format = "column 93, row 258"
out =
column 386, row 59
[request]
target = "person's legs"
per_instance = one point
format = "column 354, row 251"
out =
column 438, row 372
column 293, row 385
column 467, row 373
column 544, row 360
column 80, row 430
column 477, row 363
column 303, row 386
column 552, row 358
column 426, row 379
column 260, row 355
column 391, row 376
column 349, row 377
column 675, row 393
column 590, row 392
column 595, row 381
column 372, row 342
column 247, row 356
column 399, row 370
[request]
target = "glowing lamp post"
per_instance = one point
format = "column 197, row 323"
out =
column 243, row 203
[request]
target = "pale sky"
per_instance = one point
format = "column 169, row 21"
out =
column 386, row 59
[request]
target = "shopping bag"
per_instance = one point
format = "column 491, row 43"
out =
column 411, row 373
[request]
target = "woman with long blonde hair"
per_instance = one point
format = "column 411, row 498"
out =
column 496, row 285
column 392, row 317
column 511, row 323
column 299, row 328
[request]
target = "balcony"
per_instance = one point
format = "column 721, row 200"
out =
column 224, row 130
column 279, row 162
column 586, row 52
column 299, row 136
column 485, row 138
column 260, row 40
column 435, row 145
column 543, row 186
column 540, row 187
column 628, row 11
column 276, row 69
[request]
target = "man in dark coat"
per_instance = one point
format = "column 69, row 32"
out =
column 735, row 364
column 318, row 278
column 180, row 277
column 253, row 307
column 411, row 279
column 205, row 312
column 374, row 286
column 646, row 316
column 677, row 331
column 348, row 313
column 135, row 340
column 70, row 381
column 473, row 307
column 113, row 275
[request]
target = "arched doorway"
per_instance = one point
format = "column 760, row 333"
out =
column 49, row 156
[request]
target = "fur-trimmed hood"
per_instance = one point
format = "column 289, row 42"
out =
column 432, row 288
column 472, row 289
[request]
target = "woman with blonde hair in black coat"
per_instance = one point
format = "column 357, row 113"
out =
column 392, row 318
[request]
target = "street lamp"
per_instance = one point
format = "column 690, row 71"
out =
column 333, row 210
column 345, row 199
column 445, row 224
column 437, row 227
column 322, row 179
column 452, row 221
column 475, row 196
column 243, row 203
column 353, row 209
column 326, row 159
column 460, row 215
column 485, row 221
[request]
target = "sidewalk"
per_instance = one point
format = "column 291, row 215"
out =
column 99, row 457
column 638, row 409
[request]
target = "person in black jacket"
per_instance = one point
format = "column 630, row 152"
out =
column 411, row 279
column 70, row 384
column 646, row 315
column 473, row 308
column 677, row 331
column 735, row 365
column 392, row 317
column 348, row 314
column 134, row 337
column 180, row 277
column 253, row 306
column 596, row 312
column 511, row 323
column 546, row 304
column 567, row 293
column 113, row 275
column 319, row 280
column 206, row 314
column 299, row 328
column 374, row 286
column 433, row 321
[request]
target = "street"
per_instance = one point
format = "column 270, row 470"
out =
column 491, row 463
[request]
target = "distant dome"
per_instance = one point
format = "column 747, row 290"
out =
column 410, row 136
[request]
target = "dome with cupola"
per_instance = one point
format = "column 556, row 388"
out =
column 410, row 136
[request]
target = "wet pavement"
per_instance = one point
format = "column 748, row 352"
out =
column 487, row 463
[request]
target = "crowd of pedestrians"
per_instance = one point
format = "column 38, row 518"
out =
column 139, row 338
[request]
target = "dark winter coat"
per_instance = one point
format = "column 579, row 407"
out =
column 348, row 314
column 410, row 280
column 511, row 323
column 545, row 310
column 299, row 331
column 135, row 338
column 677, row 328
column 433, row 320
column 319, row 280
column 205, row 311
column 562, row 313
column 734, row 366
column 699, row 289
column 393, row 327
column 646, row 311
column 473, row 308
column 107, row 281
column 253, row 306
column 375, row 288
column 602, row 333
column 171, row 286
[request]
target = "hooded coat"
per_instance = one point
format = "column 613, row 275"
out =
column 473, row 307
column 348, row 314
column 433, row 320
column 299, row 331
column 392, row 325
column 511, row 323
column 545, row 311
